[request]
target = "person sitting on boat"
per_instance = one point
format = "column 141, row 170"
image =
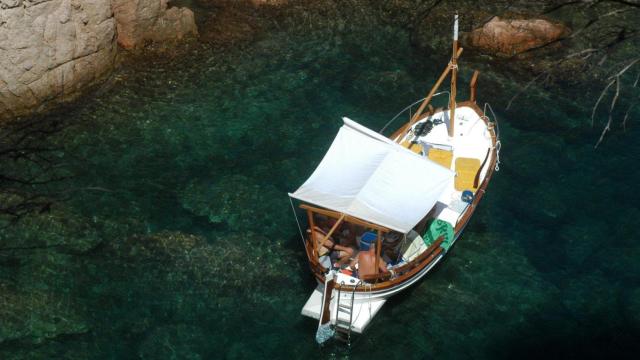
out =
column 366, row 259
column 391, row 242
column 344, row 253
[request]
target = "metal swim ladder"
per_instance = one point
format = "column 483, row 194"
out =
column 342, row 327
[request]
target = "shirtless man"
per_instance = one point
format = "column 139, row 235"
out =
column 344, row 252
column 366, row 260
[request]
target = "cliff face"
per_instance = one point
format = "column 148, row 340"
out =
column 51, row 50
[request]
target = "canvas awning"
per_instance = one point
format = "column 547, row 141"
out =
column 368, row 176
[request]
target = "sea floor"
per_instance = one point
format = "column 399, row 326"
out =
column 175, row 239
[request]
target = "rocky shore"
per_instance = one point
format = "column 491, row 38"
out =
column 54, row 51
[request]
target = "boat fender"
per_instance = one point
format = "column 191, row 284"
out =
column 467, row 196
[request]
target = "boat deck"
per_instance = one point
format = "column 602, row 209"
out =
column 472, row 140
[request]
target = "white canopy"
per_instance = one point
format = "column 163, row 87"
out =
column 368, row 176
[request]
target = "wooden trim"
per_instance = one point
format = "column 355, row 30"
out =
column 476, row 179
column 348, row 218
column 481, row 190
column 374, row 278
column 312, row 227
column 378, row 249
column 326, row 302
column 473, row 86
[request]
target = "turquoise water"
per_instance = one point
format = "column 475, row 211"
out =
column 176, row 240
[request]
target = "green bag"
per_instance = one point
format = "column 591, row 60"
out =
column 436, row 229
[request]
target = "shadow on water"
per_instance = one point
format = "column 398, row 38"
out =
column 590, row 338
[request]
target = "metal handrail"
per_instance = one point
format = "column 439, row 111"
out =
column 409, row 108
column 495, row 118
column 353, row 294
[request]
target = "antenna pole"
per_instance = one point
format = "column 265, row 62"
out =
column 454, row 76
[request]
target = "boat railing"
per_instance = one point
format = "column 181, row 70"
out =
column 497, row 127
column 495, row 118
column 410, row 108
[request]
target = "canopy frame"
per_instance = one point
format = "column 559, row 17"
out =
column 347, row 218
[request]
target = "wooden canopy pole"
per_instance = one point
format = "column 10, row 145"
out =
column 348, row 218
column 454, row 77
column 427, row 100
column 312, row 227
column 333, row 228
column 473, row 85
column 378, row 249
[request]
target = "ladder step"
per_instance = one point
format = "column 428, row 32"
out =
column 342, row 330
column 343, row 338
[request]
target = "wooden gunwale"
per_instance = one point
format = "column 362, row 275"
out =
column 318, row 270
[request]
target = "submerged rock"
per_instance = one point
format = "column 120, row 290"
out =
column 592, row 296
column 236, row 201
column 59, row 230
column 508, row 37
column 37, row 315
column 178, row 342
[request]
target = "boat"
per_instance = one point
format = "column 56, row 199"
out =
column 409, row 196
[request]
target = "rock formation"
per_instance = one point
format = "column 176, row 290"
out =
column 51, row 50
column 142, row 20
column 508, row 37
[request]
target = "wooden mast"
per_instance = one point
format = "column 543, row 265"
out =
column 426, row 101
column 454, row 77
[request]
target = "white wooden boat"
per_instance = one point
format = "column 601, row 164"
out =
column 414, row 191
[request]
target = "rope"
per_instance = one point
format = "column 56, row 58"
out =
column 404, row 240
column 297, row 222
column 498, row 147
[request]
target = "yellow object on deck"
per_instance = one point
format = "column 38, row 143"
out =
column 466, row 171
column 416, row 148
column 442, row 157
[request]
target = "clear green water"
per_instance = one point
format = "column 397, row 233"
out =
column 182, row 169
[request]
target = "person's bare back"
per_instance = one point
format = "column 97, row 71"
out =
column 367, row 263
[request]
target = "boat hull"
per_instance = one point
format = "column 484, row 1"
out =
column 366, row 295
